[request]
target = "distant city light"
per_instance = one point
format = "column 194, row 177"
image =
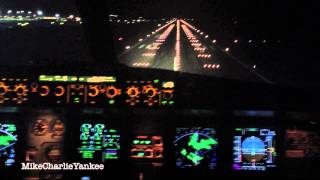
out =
column 264, row 41
column 227, row 49
column 9, row 11
column 127, row 47
column 39, row 13
column 113, row 15
column 206, row 36
column 18, row 12
column 140, row 40
column 71, row 16
column 214, row 41
column 236, row 41
column 250, row 41
column 254, row 66
column 159, row 25
column 120, row 38
column 57, row 15
column 29, row 12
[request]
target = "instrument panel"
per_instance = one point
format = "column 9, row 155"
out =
column 86, row 90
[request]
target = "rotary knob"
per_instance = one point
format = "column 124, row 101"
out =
column 150, row 91
column 112, row 91
column 21, row 89
column 3, row 88
column 133, row 91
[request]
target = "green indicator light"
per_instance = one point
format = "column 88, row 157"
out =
column 58, row 78
column 112, row 130
column 147, row 142
column 135, row 141
column 110, row 156
column 111, row 101
column 252, row 129
column 156, row 81
column 164, row 102
column 87, row 154
column 97, row 79
column 238, row 129
column 171, row 102
column 140, row 154
column 183, row 152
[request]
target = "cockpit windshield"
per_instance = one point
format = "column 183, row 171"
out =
column 265, row 41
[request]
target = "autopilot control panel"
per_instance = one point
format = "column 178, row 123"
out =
column 86, row 90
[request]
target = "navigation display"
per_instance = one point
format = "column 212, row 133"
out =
column 8, row 140
column 196, row 148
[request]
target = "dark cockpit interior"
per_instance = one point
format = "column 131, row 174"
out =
column 145, row 90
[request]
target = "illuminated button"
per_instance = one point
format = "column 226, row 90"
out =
column 94, row 91
column 168, row 84
column 133, row 92
column 167, row 94
column 34, row 87
column 59, row 91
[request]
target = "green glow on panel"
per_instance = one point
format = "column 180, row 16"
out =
column 194, row 158
column 203, row 144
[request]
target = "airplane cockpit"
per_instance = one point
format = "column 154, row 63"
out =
column 153, row 98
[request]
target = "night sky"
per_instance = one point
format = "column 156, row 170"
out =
column 274, row 17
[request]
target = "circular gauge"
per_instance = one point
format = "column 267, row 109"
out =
column 253, row 149
column 98, row 128
column 57, row 127
column 133, row 91
column 40, row 127
column 21, row 89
